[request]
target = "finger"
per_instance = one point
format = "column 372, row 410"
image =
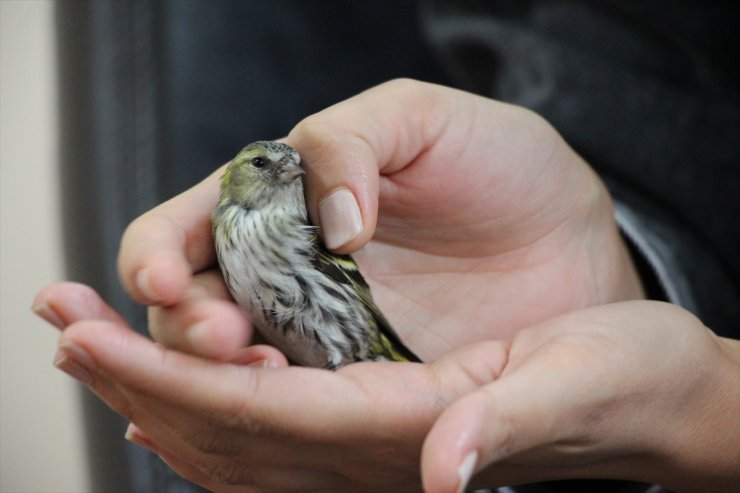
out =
column 224, row 475
column 147, row 410
column 215, row 471
column 266, row 398
column 76, row 365
column 134, row 434
column 533, row 406
column 195, row 475
column 181, row 466
column 65, row 303
column 345, row 147
column 206, row 322
column 80, row 366
column 194, row 383
column 162, row 248
column 210, row 328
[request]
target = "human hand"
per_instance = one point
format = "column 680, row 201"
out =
column 246, row 427
column 637, row 390
column 482, row 221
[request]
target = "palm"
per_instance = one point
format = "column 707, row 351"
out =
column 476, row 241
column 439, row 303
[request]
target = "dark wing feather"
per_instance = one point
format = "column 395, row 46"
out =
column 344, row 270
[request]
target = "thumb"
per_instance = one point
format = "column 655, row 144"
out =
column 347, row 147
column 341, row 182
column 523, row 409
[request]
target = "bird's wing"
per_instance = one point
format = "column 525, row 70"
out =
column 344, row 270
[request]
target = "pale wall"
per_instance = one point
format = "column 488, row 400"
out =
column 41, row 442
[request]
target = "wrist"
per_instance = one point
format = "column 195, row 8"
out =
column 702, row 451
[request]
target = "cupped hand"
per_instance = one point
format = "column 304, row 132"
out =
column 637, row 390
column 476, row 219
column 257, row 424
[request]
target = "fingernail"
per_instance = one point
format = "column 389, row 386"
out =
column 198, row 334
column 261, row 363
column 465, row 470
column 47, row 313
column 75, row 362
column 341, row 220
column 134, row 435
column 144, row 284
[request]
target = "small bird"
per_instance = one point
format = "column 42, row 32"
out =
column 310, row 303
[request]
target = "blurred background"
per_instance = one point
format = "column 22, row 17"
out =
column 41, row 437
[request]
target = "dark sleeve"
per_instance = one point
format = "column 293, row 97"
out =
column 647, row 93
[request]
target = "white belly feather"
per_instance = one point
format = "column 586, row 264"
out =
column 271, row 277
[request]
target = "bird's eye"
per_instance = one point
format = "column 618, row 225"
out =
column 259, row 162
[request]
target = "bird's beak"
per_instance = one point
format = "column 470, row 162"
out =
column 289, row 171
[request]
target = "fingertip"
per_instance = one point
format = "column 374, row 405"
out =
column 161, row 279
column 452, row 452
column 45, row 311
column 153, row 262
column 341, row 181
column 65, row 303
column 134, row 434
column 144, row 285
column 116, row 352
column 55, row 290
column 213, row 339
column 210, row 328
column 43, row 295
column 91, row 333
column 43, row 304
column 87, row 342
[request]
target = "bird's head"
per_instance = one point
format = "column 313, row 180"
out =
column 259, row 172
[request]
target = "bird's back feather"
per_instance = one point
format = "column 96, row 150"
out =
column 344, row 270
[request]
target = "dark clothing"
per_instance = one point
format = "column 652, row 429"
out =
column 649, row 94
column 155, row 94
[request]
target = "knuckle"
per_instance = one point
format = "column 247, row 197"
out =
column 326, row 146
column 404, row 85
column 316, row 135
column 414, row 93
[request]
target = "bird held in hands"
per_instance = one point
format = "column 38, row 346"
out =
column 310, row 303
